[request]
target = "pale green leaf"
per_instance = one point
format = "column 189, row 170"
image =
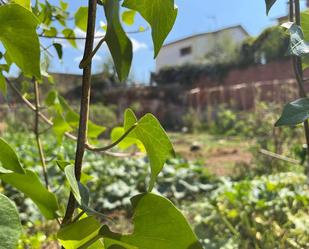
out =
column 60, row 126
column 64, row 6
column 18, row 35
column 9, row 159
column 81, row 18
column 25, row 3
column 32, row 187
column 80, row 192
column 294, row 113
column 160, row 14
column 10, row 227
column 157, row 224
column 128, row 17
column 117, row 132
column 66, row 119
column 93, row 130
column 117, row 41
column 77, row 234
column 52, row 31
column 81, row 197
column 70, row 35
column 155, row 140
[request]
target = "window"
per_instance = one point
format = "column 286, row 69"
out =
column 185, row 51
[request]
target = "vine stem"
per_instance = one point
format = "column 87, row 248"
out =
column 298, row 71
column 84, row 107
column 37, row 132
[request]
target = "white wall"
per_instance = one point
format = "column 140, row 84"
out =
column 170, row 56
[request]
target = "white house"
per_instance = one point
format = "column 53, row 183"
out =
column 192, row 49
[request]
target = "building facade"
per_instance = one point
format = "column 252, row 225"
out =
column 192, row 50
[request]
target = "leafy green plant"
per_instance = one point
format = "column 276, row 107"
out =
column 295, row 113
column 155, row 217
column 264, row 212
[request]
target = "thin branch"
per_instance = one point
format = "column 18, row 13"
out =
column 67, row 37
column 67, row 134
column 279, row 157
column 84, row 107
column 36, row 131
column 44, row 49
column 84, row 38
column 86, row 60
column 108, row 147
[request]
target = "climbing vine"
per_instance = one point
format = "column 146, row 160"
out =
column 24, row 27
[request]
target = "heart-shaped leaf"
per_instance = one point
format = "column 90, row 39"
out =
column 30, row 184
column 81, row 18
column 77, row 234
column 18, row 36
column 294, row 113
column 160, row 14
column 157, row 224
column 117, row 41
column 9, row 159
column 10, row 227
column 155, row 140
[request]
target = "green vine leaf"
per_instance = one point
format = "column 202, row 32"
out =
column 58, row 48
column 160, row 14
column 18, row 36
column 157, row 224
column 269, row 4
column 77, row 234
column 117, row 132
column 81, row 18
column 155, row 140
column 80, row 192
column 30, row 184
column 51, row 31
column 128, row 17
column 9, row 159
column 117, row 41
column 10, row 227
column 66, row 120
column 81, row 196
column 69, row 33
column 25, row 3
column 64, row 6
column 294, row 113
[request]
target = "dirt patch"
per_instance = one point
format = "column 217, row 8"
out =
column 223, row 162
column 219, row 155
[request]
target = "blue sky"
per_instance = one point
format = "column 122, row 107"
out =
column 194, row 16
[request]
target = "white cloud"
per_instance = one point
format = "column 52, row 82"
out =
column 95, row 58
column 137, row 46
column 80, row 43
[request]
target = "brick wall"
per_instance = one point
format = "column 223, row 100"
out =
column 279, row 70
